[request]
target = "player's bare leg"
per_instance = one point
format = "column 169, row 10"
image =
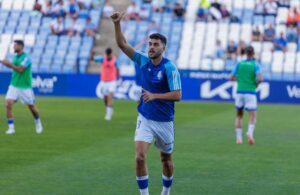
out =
column 168, row 170
column 251, row 127
column 109, row 106
column 141, row 149
column 10, row 117
column 238, row 126
column 36, row 115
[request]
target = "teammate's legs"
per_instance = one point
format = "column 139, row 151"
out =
column 37, row 120
column 12, row 95
column 251, row 127
column 167, row 169
column 239, row 104
column 251, row 106
column 141, row 149
column 9, row 116
column 109, row 106
column 105, row 100
column 238, row 126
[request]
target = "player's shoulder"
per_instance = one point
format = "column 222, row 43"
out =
column 168, row 64
column 140, row 58
column 140, row 54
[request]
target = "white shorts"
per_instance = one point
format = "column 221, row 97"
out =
column 246, row 101
column 26, row 96
column 107, row 87
column 161, row 132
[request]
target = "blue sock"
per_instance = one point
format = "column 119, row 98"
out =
column 142, row 182
column 10, row 122
column 167, row 181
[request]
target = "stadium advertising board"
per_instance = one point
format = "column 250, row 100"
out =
column 196, row 86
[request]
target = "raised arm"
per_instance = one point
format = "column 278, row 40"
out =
column 121, row 40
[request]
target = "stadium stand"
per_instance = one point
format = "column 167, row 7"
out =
column 50, row 52
column 199, row 37
column 164, row 21
column 202, row 34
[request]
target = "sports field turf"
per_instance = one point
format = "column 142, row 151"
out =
column 80, row 153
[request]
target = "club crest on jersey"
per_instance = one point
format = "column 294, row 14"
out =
column 159, row 75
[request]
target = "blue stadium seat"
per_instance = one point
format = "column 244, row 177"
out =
column 35, row 58
column 237, row 12
column 46, row 22
column 9, row 30
column 21, row 30
column 84, row 54
column 27, row 49
column 4, row 15
column 45, row 30
column 35, row 67
column 56, row 68
column 82, row 65
column 63, row 46
column 143, row 26
column 32, row 30
column 230, row 64
column 37, row 52
column 64, row 39
column 25, row 14
column 53, row 38
column 44, row 68
column 269, row 19
column 95, row 15
column 156, row 17
column 15, row 15
column 276, row 76
column 69, row 69
column 35, row 24
column 48, row 53
column 60, row 53
column 45, row 61
column 288, row 76
column 12, row 23
column 258, row 20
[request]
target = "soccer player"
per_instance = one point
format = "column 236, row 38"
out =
column 161, row 88
column 20, row 87
column 109, row 74
column 248, row 76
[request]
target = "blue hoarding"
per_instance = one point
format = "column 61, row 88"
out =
column 196, row 86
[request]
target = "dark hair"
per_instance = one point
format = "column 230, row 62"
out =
column 249, row 50
column 159, row 36
column 108, row 51
column 19, row 42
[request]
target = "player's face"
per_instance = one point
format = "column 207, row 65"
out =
column 17, row 48
column 156, row 48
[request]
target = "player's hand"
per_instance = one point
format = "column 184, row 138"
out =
column 148, row 96
column 117, row 16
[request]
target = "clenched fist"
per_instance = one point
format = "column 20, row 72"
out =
column 117, row 16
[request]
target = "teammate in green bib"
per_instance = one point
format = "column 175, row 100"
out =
column 248, row 76
column 20, row 87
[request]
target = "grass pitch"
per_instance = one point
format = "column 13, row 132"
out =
column 80, row 153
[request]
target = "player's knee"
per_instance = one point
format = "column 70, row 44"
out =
column 9, row 105
column 140, row 158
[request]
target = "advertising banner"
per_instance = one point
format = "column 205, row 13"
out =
column 196, row 86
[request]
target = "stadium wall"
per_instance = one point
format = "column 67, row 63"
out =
column 197, row 86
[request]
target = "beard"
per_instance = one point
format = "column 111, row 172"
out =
column 154, row 55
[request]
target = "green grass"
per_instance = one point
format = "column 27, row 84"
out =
column 80, row 153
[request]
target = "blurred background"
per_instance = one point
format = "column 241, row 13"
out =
column 206, row 38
